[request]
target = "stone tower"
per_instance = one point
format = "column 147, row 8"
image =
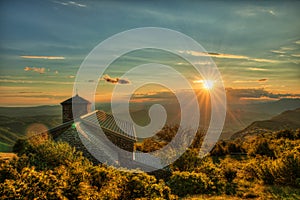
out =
column 82, row 107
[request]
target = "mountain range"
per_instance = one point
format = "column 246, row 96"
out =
column 16, row 122
column 289, row 119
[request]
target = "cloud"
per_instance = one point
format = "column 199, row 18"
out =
column 71, row 3
column 297, row 42
column 256, row 69
column 271, row 12
column 213, row 54
column 250, row 81
column 278, row 51
column 228, row 56
column 287, row 48
column 116, row 80
column 44, row 57
column 255, row 93
column 154, row 95
column 35, row 82
column 262, row 80
column 35, row 69
column 264, row 60
column 296, row 55
column 255, row 11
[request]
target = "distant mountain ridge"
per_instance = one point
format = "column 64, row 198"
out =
column 13, row 128
column 289, row 119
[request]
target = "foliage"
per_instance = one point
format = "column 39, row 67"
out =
column 268, row 168
column 223, row 148
column 184, row 183
column 288, row 134
column 188, row 161
column 261, row 147
column 282, row 171
column 54, row 170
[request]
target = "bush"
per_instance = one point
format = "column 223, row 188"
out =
column 56, row 171
column 262, row 147
column 188, row 183
column 219, row 149
column 288, row 134
column 32, row 184
column 49, row 155
column 143, row 185
column 287, row 169
column 283, row 171
column 188, row 161
column 214, row 173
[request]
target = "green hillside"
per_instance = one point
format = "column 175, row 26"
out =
column 286, row 120
column 13, row 128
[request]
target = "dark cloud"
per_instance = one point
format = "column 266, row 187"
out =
column 35, row 69
column 256, row 93
column 30, row 92
column 263, row 79
column 116, row 80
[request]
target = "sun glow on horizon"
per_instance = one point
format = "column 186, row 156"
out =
column 207, row 84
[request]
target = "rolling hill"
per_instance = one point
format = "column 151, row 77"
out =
column 13, row 128
column 289, row 119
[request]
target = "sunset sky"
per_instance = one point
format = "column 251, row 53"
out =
column 256, row 45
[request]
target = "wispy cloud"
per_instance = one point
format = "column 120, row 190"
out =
column 256, row 93
column 229, row 56
column 116, row 80
column 278, row 51
column 36, row 82
column 256, row 69
column 254, row 11
column 287, row 48
column 35, row 69
column 44, row 57
column 296, row 55
column 250, row 81
column 71, row 3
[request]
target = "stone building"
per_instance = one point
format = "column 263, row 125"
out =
column 83, row 106
column 84, row 134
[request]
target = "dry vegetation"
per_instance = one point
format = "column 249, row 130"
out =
column 261, row 167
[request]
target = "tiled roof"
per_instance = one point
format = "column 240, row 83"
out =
column 76, row 100
column 108, row 122
column 147, row 159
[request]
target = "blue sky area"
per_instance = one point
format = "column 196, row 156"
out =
column 255, row 44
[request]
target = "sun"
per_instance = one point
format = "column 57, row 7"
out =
column 208, row 84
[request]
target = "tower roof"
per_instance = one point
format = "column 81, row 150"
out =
column 76, row 100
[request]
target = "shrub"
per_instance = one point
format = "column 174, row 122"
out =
column 288, row 134
column 56, row 171
column 219, row 149
column 283, row 171
column 287, row 169
column 53, row 154
column 261, row 147
column 32, row 184
column 214, row 173
column 188, row 161
column 140, row 185
column 188, row 183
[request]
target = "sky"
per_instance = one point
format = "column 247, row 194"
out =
column 255, row 45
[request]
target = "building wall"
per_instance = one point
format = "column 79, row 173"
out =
column 67, row 112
